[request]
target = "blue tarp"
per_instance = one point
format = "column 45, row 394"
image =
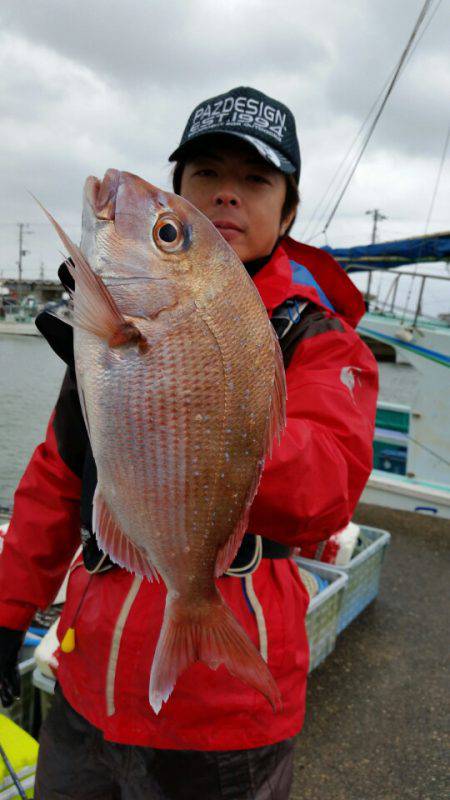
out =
column 387, row 255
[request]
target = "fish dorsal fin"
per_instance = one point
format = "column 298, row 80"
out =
column 113, row 541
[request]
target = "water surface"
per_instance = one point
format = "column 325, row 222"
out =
column 30, row 378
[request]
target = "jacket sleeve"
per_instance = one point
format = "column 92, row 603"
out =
column 312, row 483
column 44, row 530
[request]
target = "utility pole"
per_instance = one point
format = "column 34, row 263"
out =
column 377, row 217
column 23, row 229
column 42, row 271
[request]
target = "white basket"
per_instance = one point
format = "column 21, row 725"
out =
column 323, row 611
column 363, row 573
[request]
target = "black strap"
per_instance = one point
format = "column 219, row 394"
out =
column 246, row 552
column 286, row 316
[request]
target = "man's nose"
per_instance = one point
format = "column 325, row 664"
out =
column 226, row 196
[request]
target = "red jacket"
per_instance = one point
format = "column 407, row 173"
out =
column 309, row 490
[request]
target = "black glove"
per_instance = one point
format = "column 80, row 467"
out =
column 10, row 644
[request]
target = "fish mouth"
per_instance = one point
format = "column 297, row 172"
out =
column 102, row 195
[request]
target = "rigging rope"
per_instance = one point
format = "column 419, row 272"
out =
column 430, row 211
column 438, row 180
column 340, row 167
column 387, row 89
column 429, row 450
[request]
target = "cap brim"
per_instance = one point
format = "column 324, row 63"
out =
column 269, row 154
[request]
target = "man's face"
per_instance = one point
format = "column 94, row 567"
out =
column 240, row 193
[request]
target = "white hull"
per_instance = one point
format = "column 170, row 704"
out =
column 427, row 347
column 397, row 491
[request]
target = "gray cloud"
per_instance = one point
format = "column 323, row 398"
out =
column 142, row 44
column 86, row 86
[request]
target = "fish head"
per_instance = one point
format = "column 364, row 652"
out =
column 135, row 234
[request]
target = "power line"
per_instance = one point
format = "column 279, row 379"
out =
column 420, row 19
column 438, row 180
column 341, row 165
column 430, row 211
column 393, row 76
column 387, row 90
column 419, row 39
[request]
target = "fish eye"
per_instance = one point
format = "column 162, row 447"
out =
column 168, row 234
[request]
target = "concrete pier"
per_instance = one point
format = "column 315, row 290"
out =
column 377, row 712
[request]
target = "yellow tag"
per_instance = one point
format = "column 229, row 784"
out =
column 68, row 642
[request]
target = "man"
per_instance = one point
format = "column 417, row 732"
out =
column 239, row 163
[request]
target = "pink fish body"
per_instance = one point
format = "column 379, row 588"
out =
column 182, row 384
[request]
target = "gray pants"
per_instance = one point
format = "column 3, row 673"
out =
column 76, row 763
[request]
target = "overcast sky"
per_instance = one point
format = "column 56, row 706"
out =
column 90, row 85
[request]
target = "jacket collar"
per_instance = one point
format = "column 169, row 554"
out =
column 275, row 281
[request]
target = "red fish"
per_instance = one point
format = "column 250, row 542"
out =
column 182, row 386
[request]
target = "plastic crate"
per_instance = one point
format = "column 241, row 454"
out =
column 21, row 750
column 363, row 572
column 323, row 611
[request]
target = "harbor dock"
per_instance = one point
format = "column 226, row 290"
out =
column 376, row 714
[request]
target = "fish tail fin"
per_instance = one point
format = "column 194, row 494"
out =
column 207, row 632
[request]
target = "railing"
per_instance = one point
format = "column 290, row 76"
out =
column 389, row 305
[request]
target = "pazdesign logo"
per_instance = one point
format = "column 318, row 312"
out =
column 241, row 112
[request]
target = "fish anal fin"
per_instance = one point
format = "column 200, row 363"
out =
column 113, row 541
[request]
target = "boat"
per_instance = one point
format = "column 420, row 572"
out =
column 412, row 442
column 18, row 318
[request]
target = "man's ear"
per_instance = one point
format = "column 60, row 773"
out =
column 286, row 222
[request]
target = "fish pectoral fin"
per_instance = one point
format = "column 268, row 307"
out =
column 95, row 309
column 113, row 541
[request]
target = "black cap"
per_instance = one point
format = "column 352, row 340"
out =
column 263, row 122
